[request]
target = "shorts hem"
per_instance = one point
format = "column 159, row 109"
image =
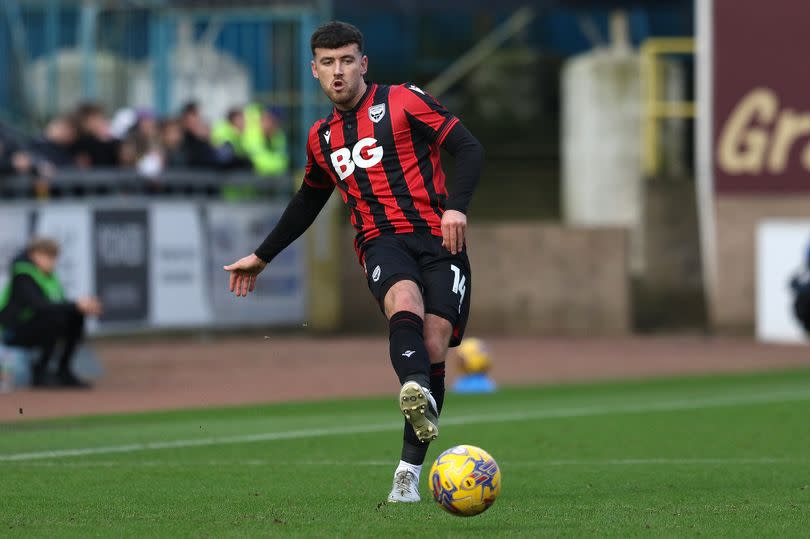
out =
column 391, row 281
column 453, row 319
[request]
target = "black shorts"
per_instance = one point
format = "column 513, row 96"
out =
column 443, row 277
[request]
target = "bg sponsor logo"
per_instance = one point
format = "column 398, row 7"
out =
column 364, row 155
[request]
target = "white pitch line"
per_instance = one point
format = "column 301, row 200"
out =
column 664, row 461
column 168, row 463
column 582, row 411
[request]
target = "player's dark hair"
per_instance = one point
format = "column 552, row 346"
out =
column 336, row 34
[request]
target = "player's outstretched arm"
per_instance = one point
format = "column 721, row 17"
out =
column 243, row 274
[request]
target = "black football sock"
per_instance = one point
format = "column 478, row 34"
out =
column 414, row 451
column 409, row 356
column 437, row 384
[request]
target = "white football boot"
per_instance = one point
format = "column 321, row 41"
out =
column 405, row 488
column 419, row 408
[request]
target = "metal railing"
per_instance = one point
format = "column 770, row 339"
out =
column 654, row 107
column 519, row 20
column 196, row 183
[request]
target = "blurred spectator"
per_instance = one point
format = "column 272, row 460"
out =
column 95, row 146
column 145, row 140
column 171, row 141
column 35, row 313
column 800, row 285
column 57, row 145
column 229, row 132
column 13, row 160
column 13, row 157
column 197, row 151
column 122, row 121
column 265, row 141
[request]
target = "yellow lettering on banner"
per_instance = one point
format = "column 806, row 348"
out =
column 806, row 157
column 790, row 127
column 742, row 145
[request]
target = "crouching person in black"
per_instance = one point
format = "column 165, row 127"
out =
column 34, row 313
column 800, row 284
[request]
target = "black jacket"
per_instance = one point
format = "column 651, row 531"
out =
column 26, row 298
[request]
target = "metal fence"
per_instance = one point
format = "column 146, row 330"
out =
column 159, row 54
column 197, row 183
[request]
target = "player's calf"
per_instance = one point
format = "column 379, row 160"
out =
column 409, row 356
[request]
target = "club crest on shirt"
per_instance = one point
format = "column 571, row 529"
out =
column 376, row 113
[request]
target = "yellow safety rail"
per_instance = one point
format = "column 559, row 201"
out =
column 654, row 107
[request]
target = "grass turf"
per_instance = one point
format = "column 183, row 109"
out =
column 717, row 456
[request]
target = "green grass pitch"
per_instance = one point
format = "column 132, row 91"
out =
column 724, row 456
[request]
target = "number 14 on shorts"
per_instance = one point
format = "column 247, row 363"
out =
column 459, row 284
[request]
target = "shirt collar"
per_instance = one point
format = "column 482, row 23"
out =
column 370, row 86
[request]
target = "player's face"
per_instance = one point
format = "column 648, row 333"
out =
column 340, row 72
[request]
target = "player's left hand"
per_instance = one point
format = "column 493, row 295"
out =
column 454, row 226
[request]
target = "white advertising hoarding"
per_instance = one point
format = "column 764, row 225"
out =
column 782, row 247
column 14, row 226
column 159, row 264
column 280, row 293
column 177, row 278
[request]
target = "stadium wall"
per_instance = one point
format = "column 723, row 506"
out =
column 752, row 150
column 737, row 221
column 528, row 279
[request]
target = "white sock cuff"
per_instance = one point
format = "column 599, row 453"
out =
column 415, row 468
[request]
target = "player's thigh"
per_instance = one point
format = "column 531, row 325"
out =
column 393, row 275
column 447, row 288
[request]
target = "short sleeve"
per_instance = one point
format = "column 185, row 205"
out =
column 426, row 113
column 315, row 176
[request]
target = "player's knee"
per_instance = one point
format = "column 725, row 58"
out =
column 404, row 296
column 408, row 304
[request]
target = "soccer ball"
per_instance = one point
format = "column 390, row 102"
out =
column 465, row 480
column 473, row 356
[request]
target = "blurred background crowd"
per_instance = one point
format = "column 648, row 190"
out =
column 249, row 138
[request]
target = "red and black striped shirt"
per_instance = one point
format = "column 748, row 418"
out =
column 384, row 157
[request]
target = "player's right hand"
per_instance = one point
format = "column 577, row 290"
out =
column 243, row 274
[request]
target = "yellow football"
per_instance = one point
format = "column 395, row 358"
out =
column 465, row 480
